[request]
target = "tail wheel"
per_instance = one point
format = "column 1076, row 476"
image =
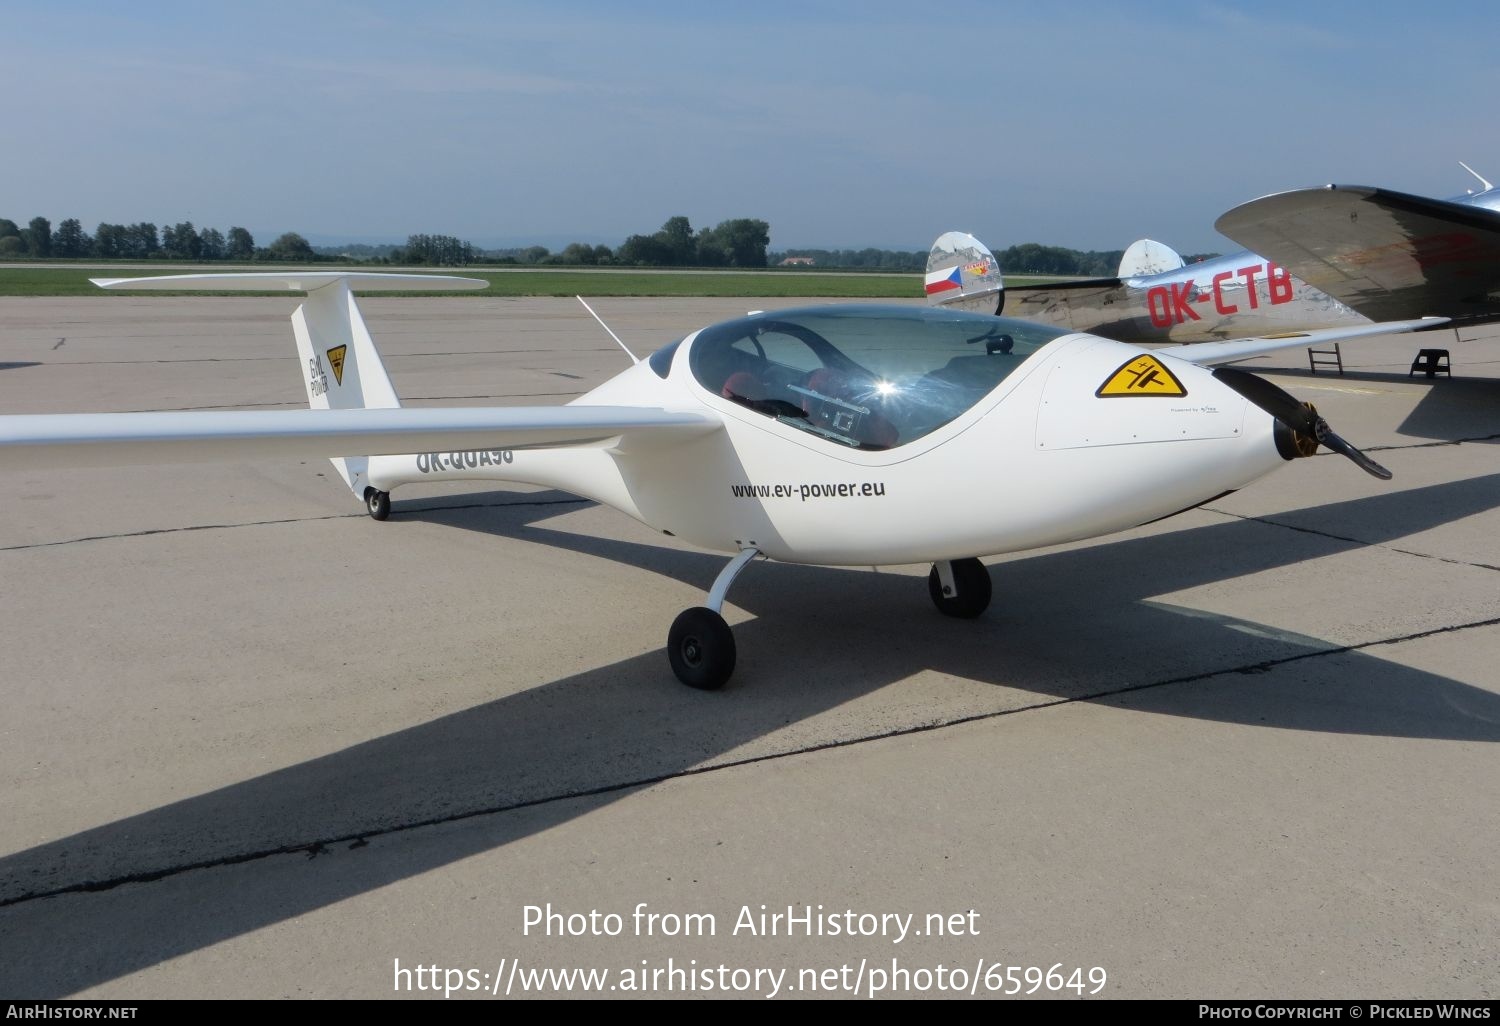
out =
column 700, row 646
column 378, row 503
column 971, row 593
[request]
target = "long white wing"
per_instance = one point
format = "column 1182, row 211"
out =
column 292, row 281
column 102, row 439
column 1209, row 354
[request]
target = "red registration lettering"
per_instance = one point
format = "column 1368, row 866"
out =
column 1279, row 280
column 1248, row 273
column 1159, row 305
column 1219, row 304
column 1181, row 294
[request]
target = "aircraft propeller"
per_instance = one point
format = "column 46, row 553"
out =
column 1308, row 429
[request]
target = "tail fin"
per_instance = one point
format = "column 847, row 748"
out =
column 963, row 273
column 1147, row 256
column 341, row 369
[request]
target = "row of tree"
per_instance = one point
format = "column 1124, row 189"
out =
column 741, row 242
column 434, row 250
column 143, row 241
column 1034, row 258
column 736, row 243
column 863, row 259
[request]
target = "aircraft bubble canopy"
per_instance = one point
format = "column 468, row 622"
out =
column 866, row 377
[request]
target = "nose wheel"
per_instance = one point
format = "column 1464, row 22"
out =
column 700, row 645
column 378, row 503
column 960, row 587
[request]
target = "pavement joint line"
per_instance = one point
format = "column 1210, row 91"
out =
column 1445, row 559
column 1425, row 445
column 360, row 839
column 1270, row 521
column 289, row 520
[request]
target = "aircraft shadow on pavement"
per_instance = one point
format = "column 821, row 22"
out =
column 1062, row 627
column 1452, row 408
column 1457, row 409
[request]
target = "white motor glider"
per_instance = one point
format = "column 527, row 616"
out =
column 842, row 435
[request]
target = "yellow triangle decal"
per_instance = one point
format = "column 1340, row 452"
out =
column 336, row 359
column 1141, row 375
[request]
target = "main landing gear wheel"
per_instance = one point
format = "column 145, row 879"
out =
column 378, row 503
column 701, row 648
column 971, row 589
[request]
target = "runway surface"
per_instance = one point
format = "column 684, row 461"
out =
column 257, row 745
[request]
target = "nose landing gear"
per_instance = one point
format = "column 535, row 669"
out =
column 700, row 644
column 960, row 587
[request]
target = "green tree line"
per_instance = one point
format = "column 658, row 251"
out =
column 740, row 242
column 143, row 241
column 861, row 259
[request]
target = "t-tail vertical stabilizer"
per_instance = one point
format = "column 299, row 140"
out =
column 340, row 367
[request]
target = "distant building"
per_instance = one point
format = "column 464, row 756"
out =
column 797, row 262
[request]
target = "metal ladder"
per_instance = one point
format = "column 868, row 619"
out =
column 1330, row 357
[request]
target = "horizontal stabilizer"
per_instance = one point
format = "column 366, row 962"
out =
column 102, row 439
column 1092, row 304
column 293, row 281
column 1211, row 354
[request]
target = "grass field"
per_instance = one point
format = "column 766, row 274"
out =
column 73, row 280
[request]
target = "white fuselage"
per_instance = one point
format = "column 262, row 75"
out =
column 1041, row 460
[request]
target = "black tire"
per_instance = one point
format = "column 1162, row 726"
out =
column 700, row 646
column 378, row 503
column 973, row 583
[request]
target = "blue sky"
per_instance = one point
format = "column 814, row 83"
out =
column 842, row 124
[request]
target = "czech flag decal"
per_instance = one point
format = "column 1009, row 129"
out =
column 944, row 281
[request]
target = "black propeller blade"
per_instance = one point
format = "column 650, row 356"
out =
column 1307, row 427
column 1326, row 435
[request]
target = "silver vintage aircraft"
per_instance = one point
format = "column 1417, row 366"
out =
column 1155, row 299
column 836, row 435
column 1336, row 255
